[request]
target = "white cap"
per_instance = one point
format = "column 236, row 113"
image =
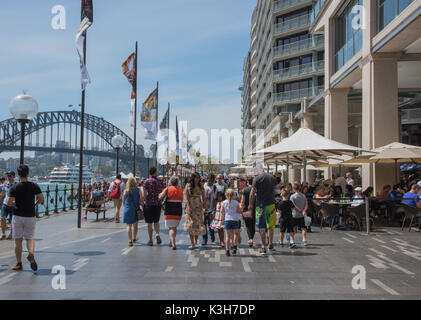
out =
column 419, row 183
column 358, row 189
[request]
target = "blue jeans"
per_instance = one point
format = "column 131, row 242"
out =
column 207, row 221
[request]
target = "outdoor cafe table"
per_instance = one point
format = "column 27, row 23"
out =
column 343, row 206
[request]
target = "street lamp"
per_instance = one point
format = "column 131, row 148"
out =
column 23, row 108
column 117, row 142
column 148, row 155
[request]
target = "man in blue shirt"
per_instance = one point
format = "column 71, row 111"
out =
column 411, row 198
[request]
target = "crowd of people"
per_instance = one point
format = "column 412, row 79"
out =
column 215, row 209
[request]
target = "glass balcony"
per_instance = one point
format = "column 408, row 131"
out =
column 297, row 95
column 307, row 69
column 349, row 50
column 316, row 9
column 293, row 24
column 389, row 10
column 281, row 5
column 298, row 47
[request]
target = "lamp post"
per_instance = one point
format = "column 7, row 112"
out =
column 23, row 108
column 148, row 155
column 117, row 142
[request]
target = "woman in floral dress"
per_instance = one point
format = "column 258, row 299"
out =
column 195, row 205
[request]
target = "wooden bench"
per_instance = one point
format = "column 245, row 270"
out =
column 102, row 208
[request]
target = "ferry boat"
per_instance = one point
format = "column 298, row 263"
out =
column 70, row 175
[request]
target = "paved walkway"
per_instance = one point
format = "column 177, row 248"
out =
column 100, row 265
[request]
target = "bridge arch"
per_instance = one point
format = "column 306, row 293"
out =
column 10, row 133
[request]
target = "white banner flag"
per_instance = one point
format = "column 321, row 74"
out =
column 132, row 115
column 80, row 38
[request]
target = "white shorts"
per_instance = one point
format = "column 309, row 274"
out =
column 23, row 227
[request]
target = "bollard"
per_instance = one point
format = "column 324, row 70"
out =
column 367, row 214
column 48, row 200
column 56, row 199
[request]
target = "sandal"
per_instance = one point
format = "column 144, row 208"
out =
column 130, row 243
column 250, row 243
column 150, row 243
column 18, row 267
column 135, row 239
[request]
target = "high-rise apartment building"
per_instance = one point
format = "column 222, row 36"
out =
column 367, row 92
column 372, row 89
column 283, row 71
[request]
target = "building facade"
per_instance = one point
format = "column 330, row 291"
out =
column 372, row 93
column 283, row 71
column 368, row 93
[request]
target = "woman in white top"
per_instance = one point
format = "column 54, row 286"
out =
column 232, row 210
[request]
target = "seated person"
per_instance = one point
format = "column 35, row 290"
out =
column 96, row 199
column 349, row 192
column 395, row 196
column 411, row 198
column 358, row 198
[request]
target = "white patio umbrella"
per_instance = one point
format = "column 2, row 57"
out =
column 306, row 144
column 392, row 153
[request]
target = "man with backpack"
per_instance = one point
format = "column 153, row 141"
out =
column 115, row 192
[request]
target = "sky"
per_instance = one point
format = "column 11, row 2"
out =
column 194, row 48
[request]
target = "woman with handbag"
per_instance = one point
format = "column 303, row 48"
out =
column 132, row 199
column 195, row 205
column 173, row 208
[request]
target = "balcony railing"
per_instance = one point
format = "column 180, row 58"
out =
column 316, row 9
column 293, row 24
column 349, row 50
column 281, row 5
column 298, row 46
column 306, row 69
column 296, row 95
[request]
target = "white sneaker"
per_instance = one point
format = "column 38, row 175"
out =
column 191, row 247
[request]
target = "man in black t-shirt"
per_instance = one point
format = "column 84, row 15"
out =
column 250, row 223
column 22, row 195
column 95, row 201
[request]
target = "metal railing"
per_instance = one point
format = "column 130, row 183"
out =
column 295, row 95
column 306, row 69
column 62, row 199
column 290, row 25
column 298, row 46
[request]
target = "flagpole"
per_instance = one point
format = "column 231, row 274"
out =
column 157, row 104
column 82, row 129
column 168, row 146
column 135, row 118
column 177, row 144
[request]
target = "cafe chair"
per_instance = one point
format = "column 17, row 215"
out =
column 358, row 213
column 329, row 211
column 412, row 213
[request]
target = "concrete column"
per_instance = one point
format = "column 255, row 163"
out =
column 307, row 122
column 336, row 114
column 380, row 118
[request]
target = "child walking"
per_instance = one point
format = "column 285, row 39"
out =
column 232, row 210
column 218, row 218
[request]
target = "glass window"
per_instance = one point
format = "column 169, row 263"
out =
column 389, row 10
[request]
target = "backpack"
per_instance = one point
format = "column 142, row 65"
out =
column 115, row 192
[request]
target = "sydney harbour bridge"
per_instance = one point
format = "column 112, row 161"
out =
column 65, row 125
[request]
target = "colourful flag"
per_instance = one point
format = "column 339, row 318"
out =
column 129, row 70
column 87, row 10
column 149, row 115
